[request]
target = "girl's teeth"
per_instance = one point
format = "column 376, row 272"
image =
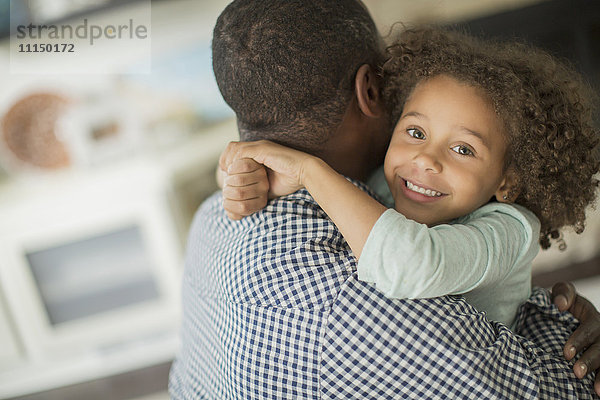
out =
column 426, row 192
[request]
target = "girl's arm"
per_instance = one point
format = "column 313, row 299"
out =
column 406, row 259
column 353, row 211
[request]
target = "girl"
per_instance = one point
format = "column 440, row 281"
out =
column 493, row 150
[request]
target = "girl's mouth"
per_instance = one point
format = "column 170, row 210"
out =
column 419, row 193
column 427, row 192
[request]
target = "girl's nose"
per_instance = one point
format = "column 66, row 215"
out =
column 428, row 162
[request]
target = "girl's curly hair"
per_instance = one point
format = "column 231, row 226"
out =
column 545, row 106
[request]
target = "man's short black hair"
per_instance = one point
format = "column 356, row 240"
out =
column 287, row 67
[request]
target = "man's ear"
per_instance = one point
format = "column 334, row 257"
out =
column 367, row 92
column 508, row 190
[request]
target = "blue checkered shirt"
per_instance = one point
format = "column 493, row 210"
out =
column 273, row 309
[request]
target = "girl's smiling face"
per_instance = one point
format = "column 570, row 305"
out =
column 446, row 156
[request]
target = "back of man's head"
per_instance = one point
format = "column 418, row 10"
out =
column 287, row 67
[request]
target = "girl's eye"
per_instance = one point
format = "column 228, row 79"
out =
column 417, row 134
column 463, row 150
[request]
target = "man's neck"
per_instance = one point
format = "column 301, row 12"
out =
column 339, row 161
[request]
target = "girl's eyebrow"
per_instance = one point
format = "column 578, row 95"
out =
column 414, row 114
column 477, row 135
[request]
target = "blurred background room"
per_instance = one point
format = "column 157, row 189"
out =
column 107, row 150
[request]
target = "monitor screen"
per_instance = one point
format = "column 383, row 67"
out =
column 94, row 275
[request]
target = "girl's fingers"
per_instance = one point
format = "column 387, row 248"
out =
column 249, row 192
column 243, row 185
column 243, row 166
column 227, row 156
column 235, row 151
column 233, row 216
column 258, row 176
column 243, row 208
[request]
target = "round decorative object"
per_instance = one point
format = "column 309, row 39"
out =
column 28, row 131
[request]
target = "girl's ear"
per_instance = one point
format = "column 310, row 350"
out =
column 366, row 85
column 508, row 190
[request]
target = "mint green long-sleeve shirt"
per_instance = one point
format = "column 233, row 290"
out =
column 485, row 256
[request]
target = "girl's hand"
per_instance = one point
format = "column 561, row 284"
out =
column 353, row 211
column 286, row 166
column 245, row 188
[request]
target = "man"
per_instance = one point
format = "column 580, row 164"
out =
column 272, row 307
